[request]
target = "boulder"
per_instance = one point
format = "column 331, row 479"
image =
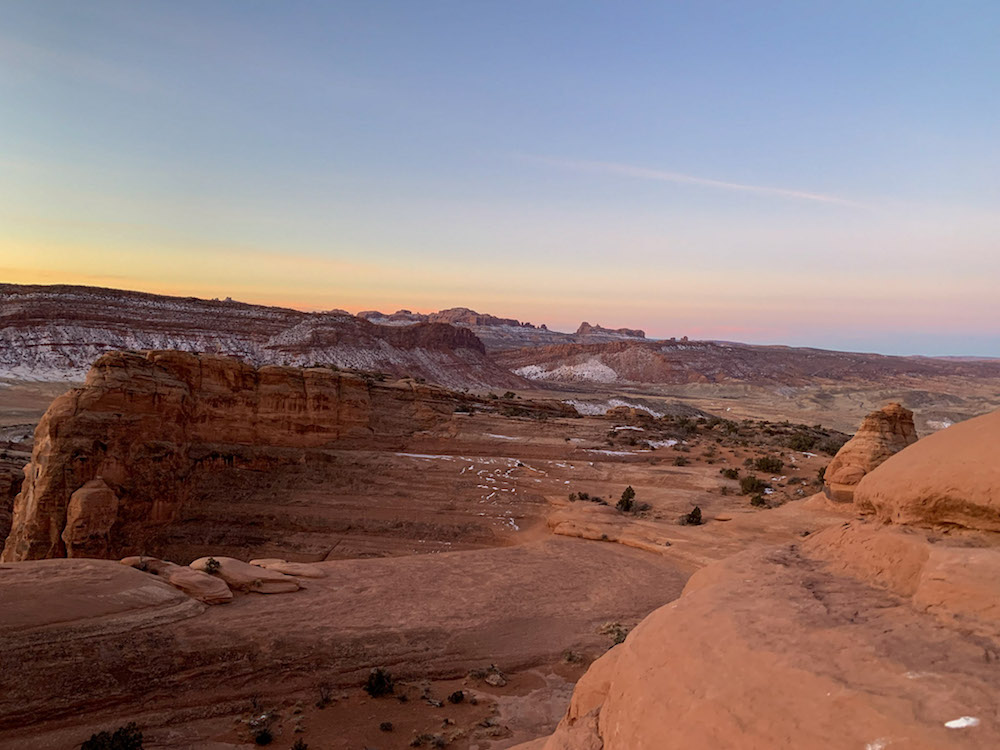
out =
column 950, row 478
column 242, row 576
column 90, row 514
column 302, row 570
column 201, row 586
column 882, row 434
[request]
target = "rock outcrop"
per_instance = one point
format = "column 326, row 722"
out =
column 950, row 478
column 242, row 576
column 585, row 329
column 197, row 584
column 882, row 434
column 116, row 460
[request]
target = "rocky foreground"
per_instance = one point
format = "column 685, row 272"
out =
column 283, row 531
column 874, row 633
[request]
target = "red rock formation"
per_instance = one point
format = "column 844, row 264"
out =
column 950, row 478
column 117, row 459
column 882, row 434
column 586, row 329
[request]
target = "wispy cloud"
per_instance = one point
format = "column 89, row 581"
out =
column 645, row 173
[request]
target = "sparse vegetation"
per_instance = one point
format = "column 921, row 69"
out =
column 300, row 744
column 680, row 461
column 627, row 502
column 385, row 726
column 615, row 631
column 821, row 474
column 693, row 518
column 769, row 464
column 212, row 566
column 457, row 697
column 730, row 473
column 758, row 501
column 379, row 683
column 127, row 737
column 751, row 484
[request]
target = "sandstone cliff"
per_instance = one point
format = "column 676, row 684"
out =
column 116, row 460
column 882, row 434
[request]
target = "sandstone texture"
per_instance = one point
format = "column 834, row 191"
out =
column 302, row 570
column 242, row 576
column 882, row 434
column 950, row 478
column 770, row 650
column 117, row 459
column 196, row 584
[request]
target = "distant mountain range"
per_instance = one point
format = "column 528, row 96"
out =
column 55, row 332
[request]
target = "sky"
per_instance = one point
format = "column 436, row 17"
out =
column 807, row 173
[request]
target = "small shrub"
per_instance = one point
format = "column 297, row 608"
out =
column 751, row 484
column 802, row 441
column 758, row 501
column 821, row 474
column 263, row 736
column 379, row 683
column 615, row 631
column 300, row 744
column 769, row 464
column 324, row 697
column 457, row 697
column 584, row 495
column 509, row 395
column 830, row 445
column 680, row 461
column 385, row 726
column 572, row 497
column 627, row 502
column 127, row 737
column 212, row 566
column 730, row 473
column 693, row 518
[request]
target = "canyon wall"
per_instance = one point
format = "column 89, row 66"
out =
column 116, row 460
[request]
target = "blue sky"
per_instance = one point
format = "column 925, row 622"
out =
column 821, row 173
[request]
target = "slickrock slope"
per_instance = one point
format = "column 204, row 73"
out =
column 862, row 636
column 56, row 332
column 115, row 462
column 882, row 434
column 950, row 478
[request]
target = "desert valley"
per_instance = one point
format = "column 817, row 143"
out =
column 499, row 375
column 454, row 530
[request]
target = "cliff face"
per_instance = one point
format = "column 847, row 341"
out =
column 116, row 460
column 56, row 332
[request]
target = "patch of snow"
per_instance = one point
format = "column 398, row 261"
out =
column 942, row 424
column 599, row 408
column 501, row 437
column 663, row 443
column 593, row 370
column 611, row 453
column 962, row 722
column 628, row 427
